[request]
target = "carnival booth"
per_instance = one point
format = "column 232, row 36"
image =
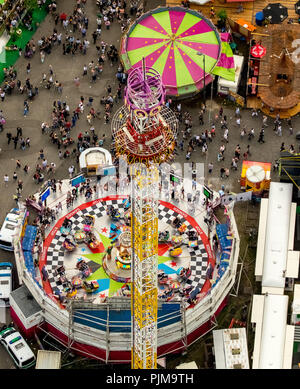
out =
column 224, row 86
column 93, row 160
column 256, row 177
column 241, row 28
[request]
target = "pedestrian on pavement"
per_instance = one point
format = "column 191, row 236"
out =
column 26, row 108
column 220, row 157
column 201, row 122
column 254, row 113
column 71, row 171
column 234, row 164
column 243, row 132
column 248, row 150
column 265, row 119
column 279, row 130
column 261, row 136
column 15, row 139
column 19, row 132
column 251, row 134
column 6, row 180
column 15, row 176
column 225, row 136
column 9, row 137
column 222, row 172
column 210, row 167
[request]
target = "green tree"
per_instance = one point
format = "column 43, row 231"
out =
column 222, row 14
column 30, row 4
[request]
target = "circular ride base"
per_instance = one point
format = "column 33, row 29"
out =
column 110, row 278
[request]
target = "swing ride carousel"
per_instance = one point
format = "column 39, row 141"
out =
column 81, row 289
column 144, row 129
column 81, row 286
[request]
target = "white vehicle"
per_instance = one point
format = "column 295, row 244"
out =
column 8, row 229
column 17, row 347
column 5, row 281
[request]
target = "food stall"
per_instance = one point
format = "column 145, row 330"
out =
column 224, row 86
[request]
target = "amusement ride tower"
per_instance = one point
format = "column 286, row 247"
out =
column 144, row 128
column 144, row 249
column 144, row 131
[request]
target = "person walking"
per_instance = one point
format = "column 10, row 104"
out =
column 222, row 172
column 265, row 119
column 261, row 136
column 210, row 167
column 6, row 180
column 251, row 134
column 201, row 122
column 234, row 164
column 248, row 150
column 71, row 171
column 279, row 130
column 243, row 132
column 15, row 139
column 289, row 122
column 19, row 132
column 9, row 137
column 26, row 108
column 225, row 136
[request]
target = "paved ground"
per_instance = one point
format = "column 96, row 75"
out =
column 65, row 69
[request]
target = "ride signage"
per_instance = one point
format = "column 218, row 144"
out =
column 258, row 51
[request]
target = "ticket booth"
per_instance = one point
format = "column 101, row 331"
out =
column 94, row 159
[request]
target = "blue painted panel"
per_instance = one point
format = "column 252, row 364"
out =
column 120, row 321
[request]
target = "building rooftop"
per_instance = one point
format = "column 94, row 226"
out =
column 25, row 301
column 230, row 347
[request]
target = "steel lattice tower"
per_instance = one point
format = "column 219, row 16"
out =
column 144, row 207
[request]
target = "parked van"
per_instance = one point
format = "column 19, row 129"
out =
column 8, row 229
column 5, row 281
column 17, row 347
